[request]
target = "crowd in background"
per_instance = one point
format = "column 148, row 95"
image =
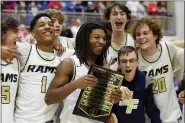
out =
column 71, row 26
column 137, row 7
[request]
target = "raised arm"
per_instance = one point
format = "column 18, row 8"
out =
column 61, row 86
column 63, row 75
column 8, row 53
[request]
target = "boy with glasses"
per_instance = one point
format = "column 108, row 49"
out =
column 137, row 93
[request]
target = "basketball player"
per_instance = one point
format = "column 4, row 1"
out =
column 58, row 19
column 119, row 16
column 159, row 60
column 9, row 72
column 38, row 67
column 71, row 75
column 137, row 91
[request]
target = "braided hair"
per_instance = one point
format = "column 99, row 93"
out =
column 82, row 42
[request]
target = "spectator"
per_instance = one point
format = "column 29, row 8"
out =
column 33, row 8
column 66, row 32
column 91, row 7
column 55, row 5
column 23, row 32
column 162, row 8
column 153, row 8
column 75, row 27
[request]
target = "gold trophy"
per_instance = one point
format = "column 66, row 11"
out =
column 93, row 102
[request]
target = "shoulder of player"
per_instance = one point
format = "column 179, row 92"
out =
column 66, row 66
column 171, row 48
column 131, row 40
column 66, row 38
column 23, row 44
column 69, row 52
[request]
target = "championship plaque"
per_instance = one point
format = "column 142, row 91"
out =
column 93, row 102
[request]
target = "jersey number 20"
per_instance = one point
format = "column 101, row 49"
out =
column 161, row 85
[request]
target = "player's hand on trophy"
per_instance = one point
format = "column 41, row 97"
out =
column 85, row 81
column 115, row 95
column 181, row 97
column 126, row 93
column 106, row 64
column 8, row 53
column 112, row 118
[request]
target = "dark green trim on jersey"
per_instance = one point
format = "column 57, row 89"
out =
column 169, row 54
column 42, row 57
column 18, row 65
column 86, row 65
column 4, row 64
column 124, row 44
column 27, row 58
column 67, row 44
column 156, row 59
column 74, row 71
column 7, row 63
column 19, row 71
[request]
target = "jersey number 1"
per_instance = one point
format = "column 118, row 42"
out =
column 5, row 94
column 43, row 84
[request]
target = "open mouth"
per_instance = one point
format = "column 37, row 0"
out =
column 128, row 71
column 119, row 23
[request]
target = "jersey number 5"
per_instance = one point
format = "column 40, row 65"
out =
column 5, row 94
column 43, row 84
column 161, row 85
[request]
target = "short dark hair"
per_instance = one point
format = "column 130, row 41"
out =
column 155, row 28
column 82, row 42
column 107, row 12
column 125, row 50
column 8, row 22
column 38, row 16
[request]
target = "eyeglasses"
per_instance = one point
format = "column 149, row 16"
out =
column 124, row 61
